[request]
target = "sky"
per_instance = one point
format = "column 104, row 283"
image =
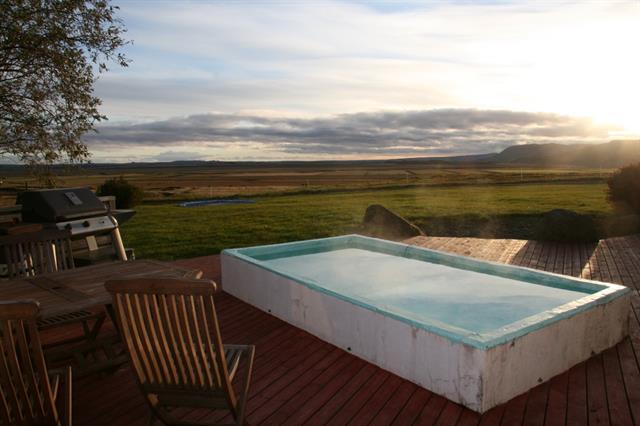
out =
column 284, row 80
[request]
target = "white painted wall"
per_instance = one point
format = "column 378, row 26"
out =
column 512, row 369
column 478, row 379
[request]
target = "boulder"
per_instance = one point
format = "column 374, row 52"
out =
column 383, row 223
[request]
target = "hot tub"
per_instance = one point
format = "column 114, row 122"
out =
column 476, row 332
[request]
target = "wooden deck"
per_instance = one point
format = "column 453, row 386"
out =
column 301, row 379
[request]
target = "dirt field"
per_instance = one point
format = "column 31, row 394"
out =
column 171, row 182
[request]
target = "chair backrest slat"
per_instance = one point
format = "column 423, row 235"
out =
column 217, row 343
column 147, row 348
column 188, row 337
column 37, row 253
column 34, row 261
column 29, row 378
column 26, row 396
column 183, row 350
column 160, row 348
column 204, row 314
column 155, row 314
column 14, row 260
column 172, row 333
column 15, row 388
column 13, row 360
column 200, row 340
column 168, row 328
column 132, row 337
column 49, row 258
column 64, row 255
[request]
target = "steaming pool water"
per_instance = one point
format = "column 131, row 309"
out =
column 476, row 332
column 426, row 292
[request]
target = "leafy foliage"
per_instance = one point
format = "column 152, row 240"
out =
column 50, row 51
column 127, row 194
column 624, row 187
column 567, row 226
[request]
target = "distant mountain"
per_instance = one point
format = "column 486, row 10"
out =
column 610, row 154
column 607, row 155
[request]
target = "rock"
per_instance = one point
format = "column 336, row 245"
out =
column 383, row 223
column 567, row 226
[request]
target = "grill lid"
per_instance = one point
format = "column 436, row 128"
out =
column 55, row 205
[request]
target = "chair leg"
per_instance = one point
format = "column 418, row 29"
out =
column 91, row 333
column 242, row 403
column 68, row 398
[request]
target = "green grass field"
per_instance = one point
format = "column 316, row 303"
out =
column 167, row 231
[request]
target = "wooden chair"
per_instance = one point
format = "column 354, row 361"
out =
column 36, row 253
column 171, row 331
column 28, row 393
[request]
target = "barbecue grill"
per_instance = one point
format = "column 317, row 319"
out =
column 77, row 210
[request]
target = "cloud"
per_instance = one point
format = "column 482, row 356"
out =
column 333, row 57
column 370, row 134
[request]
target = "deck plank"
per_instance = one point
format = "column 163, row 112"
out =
column 300, row 379
column 301, row 391
column 413, row 407
column 349, row 410
column 450, row 414
column 514, row 410
column 631, row 377
column 617, row 401
column 577, row 411
column 468, row 418
column 556, row 409
column 432, row 410
column 370, row 409
column 493, row 417
column 333, row 405
column 293, row 381
column 596, row 393
column 394, row 405
column 535, row 410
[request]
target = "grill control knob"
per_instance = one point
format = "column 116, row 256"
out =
column 86, row 224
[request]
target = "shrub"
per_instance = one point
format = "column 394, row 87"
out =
column 127, row 194
column 566, row 226
column 624, row 187
column 619, row 225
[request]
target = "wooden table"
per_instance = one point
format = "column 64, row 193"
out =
column 80, row 289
